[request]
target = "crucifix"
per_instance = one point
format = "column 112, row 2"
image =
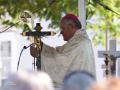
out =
column 112, row 54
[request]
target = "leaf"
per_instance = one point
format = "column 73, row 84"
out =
column 26, row 28
column 53, row 10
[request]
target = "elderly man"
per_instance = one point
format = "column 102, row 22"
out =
column 76, row 54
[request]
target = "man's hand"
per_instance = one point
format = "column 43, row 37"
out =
column 33, row 51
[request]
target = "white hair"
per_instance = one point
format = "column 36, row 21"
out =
column 76, row 22
column 29, row 81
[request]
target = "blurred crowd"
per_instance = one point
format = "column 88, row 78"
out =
column 75, row 80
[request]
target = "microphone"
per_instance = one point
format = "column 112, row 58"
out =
column 25, row 47
column 37, row 33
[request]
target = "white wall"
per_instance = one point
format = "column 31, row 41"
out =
column 17, row 43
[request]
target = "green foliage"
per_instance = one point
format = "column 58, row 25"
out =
column 26, row 28
column 47, row 9
column 53, row 10
column 105, row 20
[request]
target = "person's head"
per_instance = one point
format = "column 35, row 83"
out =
column 69, row 24
column 78, row 80
column 28, row 81
column 111, row 83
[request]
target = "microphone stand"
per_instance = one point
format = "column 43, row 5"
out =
column 107, row 64
column 37, row 41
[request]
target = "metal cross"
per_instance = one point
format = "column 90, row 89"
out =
column 112, row 54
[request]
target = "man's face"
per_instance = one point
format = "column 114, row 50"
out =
column 67, row 31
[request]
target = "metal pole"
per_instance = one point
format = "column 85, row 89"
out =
column 82, row 12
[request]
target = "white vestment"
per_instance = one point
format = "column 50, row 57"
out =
column 76, row 54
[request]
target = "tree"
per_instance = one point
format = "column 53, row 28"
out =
column 47, row 9
column 105, row 19
column 53, row 10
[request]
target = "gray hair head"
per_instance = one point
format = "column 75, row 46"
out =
column 28, row 81
column 71, row 19
column 78, row 80
column 76, row 22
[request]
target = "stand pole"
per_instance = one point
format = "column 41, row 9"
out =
column 38, row 62
column 38, row 43
column 107, row 65
column 106, row 55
